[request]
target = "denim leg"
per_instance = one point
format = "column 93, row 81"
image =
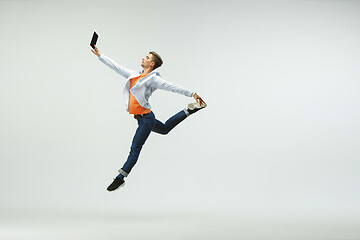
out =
column 162, row 128
column 145, row 125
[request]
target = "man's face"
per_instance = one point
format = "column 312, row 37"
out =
column 147, row 61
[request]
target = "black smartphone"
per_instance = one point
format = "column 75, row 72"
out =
column 94, row 40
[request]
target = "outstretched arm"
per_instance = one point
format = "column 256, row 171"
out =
column 169, row 86
column 172, row 87
column 112, row 64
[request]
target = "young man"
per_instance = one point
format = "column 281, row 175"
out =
column 138, row 89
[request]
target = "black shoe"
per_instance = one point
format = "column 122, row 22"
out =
column 118, row 182
column 194, row 107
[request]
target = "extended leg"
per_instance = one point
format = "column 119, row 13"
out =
column 142, row 133
column 146, row 124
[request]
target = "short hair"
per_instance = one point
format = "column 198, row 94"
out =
column 156, row 59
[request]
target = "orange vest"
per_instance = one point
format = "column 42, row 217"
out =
column 134, row 106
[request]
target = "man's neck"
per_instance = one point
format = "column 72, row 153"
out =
column 146, row 71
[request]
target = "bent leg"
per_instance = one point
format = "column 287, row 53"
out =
column 162, row 128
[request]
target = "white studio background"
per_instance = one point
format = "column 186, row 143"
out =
column 280, row 134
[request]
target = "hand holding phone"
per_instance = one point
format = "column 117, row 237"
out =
column 96, row 52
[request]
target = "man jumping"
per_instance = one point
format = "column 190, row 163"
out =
column 138, row 89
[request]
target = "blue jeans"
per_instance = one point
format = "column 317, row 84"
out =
column 147, row 124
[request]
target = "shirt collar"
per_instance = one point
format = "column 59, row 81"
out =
column 152, row 72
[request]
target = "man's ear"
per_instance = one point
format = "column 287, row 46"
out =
column 152, row 64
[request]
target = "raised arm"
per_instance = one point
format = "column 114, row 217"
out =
column 112, row 64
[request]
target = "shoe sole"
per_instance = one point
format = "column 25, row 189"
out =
column 195, row 105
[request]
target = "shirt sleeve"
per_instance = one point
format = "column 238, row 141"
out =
column 115, row 66
column 172, row 87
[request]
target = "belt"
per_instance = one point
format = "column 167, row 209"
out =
column 138, row 116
